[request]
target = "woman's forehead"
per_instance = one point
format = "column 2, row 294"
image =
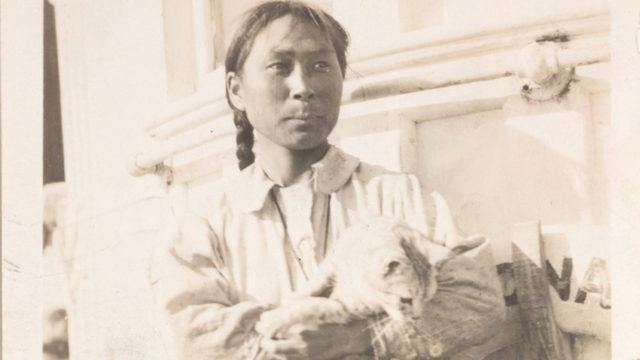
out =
column 288, row 35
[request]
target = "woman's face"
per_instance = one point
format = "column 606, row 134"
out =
column 290, row 85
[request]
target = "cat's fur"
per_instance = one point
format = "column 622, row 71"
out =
column 380, row 265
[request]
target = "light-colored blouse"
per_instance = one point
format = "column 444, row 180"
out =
column 257, row 242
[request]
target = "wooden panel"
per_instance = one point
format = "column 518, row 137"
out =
column 541, row 338
column 179, row 48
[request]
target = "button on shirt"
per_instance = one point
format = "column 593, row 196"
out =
column 305, row 217
column 258, row 242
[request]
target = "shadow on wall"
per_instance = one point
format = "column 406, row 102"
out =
column 549, row 166
column 55, row 344
column 529, row 161
column 53, row 159
column 55, row 340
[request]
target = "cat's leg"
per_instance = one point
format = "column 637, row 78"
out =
column 320, row 285
column 309, row 311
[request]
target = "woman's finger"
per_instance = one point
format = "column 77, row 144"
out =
column 271, row 322
column 291, row 349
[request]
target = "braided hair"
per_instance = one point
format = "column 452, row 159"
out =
column 244, row 139
column 257, row 19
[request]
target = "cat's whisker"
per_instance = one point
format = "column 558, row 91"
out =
column 377, row 330
column 377, row 337
column 419, row 333
column 382, row 321
column 386, row 326
column 379, row 327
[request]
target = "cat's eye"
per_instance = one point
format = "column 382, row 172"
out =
column 406, row 301
column 391, row 267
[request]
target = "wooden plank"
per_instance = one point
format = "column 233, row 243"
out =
column 541, row 337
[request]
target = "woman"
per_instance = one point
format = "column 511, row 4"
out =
column 264, row 235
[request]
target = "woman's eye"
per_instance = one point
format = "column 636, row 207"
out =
column 322, row 66
column 279, row 66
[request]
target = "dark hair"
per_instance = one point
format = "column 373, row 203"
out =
column 257, row 19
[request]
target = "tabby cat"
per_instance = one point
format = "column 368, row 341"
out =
column 380, row 265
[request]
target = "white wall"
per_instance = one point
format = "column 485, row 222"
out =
column 113, row 82
column 21, row 105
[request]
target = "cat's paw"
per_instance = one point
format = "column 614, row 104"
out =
column 309, row 312
column 272, row 321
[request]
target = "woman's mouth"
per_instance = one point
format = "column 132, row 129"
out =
column 303, row 117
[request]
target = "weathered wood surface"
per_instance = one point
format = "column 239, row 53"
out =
column 541, row 337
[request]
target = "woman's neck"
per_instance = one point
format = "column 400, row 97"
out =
column 287, row 167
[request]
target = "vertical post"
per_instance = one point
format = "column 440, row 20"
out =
column 21, row 101
column 541, row 337
column 202, row 37
column 179, row 41
column 624, row 177
column 218, row 33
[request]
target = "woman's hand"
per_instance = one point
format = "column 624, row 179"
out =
column 326, row 341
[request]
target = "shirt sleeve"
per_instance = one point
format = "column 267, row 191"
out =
column 190, row 283
column 468, row 305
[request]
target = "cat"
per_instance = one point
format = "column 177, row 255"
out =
column 379, row 266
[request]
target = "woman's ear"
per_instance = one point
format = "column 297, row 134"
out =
column 234, row 89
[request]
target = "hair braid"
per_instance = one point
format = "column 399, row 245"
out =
column 256, row 20
column 244, row 139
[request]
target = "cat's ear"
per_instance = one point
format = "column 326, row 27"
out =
column 434, row 252
column 405, row 232
column 422, row 243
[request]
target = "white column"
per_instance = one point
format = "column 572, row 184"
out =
column 113, row 81
column 21, row 90
column 624, row 183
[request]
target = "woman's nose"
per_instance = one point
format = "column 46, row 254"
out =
column 416, row 309
column 300, row 85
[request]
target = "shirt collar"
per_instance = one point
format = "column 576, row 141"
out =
column 250, row 190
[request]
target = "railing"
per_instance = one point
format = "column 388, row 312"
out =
column 424, row 77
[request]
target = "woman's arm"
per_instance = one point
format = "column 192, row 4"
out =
column 190, row 283
column 322, row 342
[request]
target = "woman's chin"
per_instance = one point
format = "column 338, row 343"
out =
column 307, row 143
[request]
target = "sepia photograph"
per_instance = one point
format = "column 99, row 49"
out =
column 320, row 179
